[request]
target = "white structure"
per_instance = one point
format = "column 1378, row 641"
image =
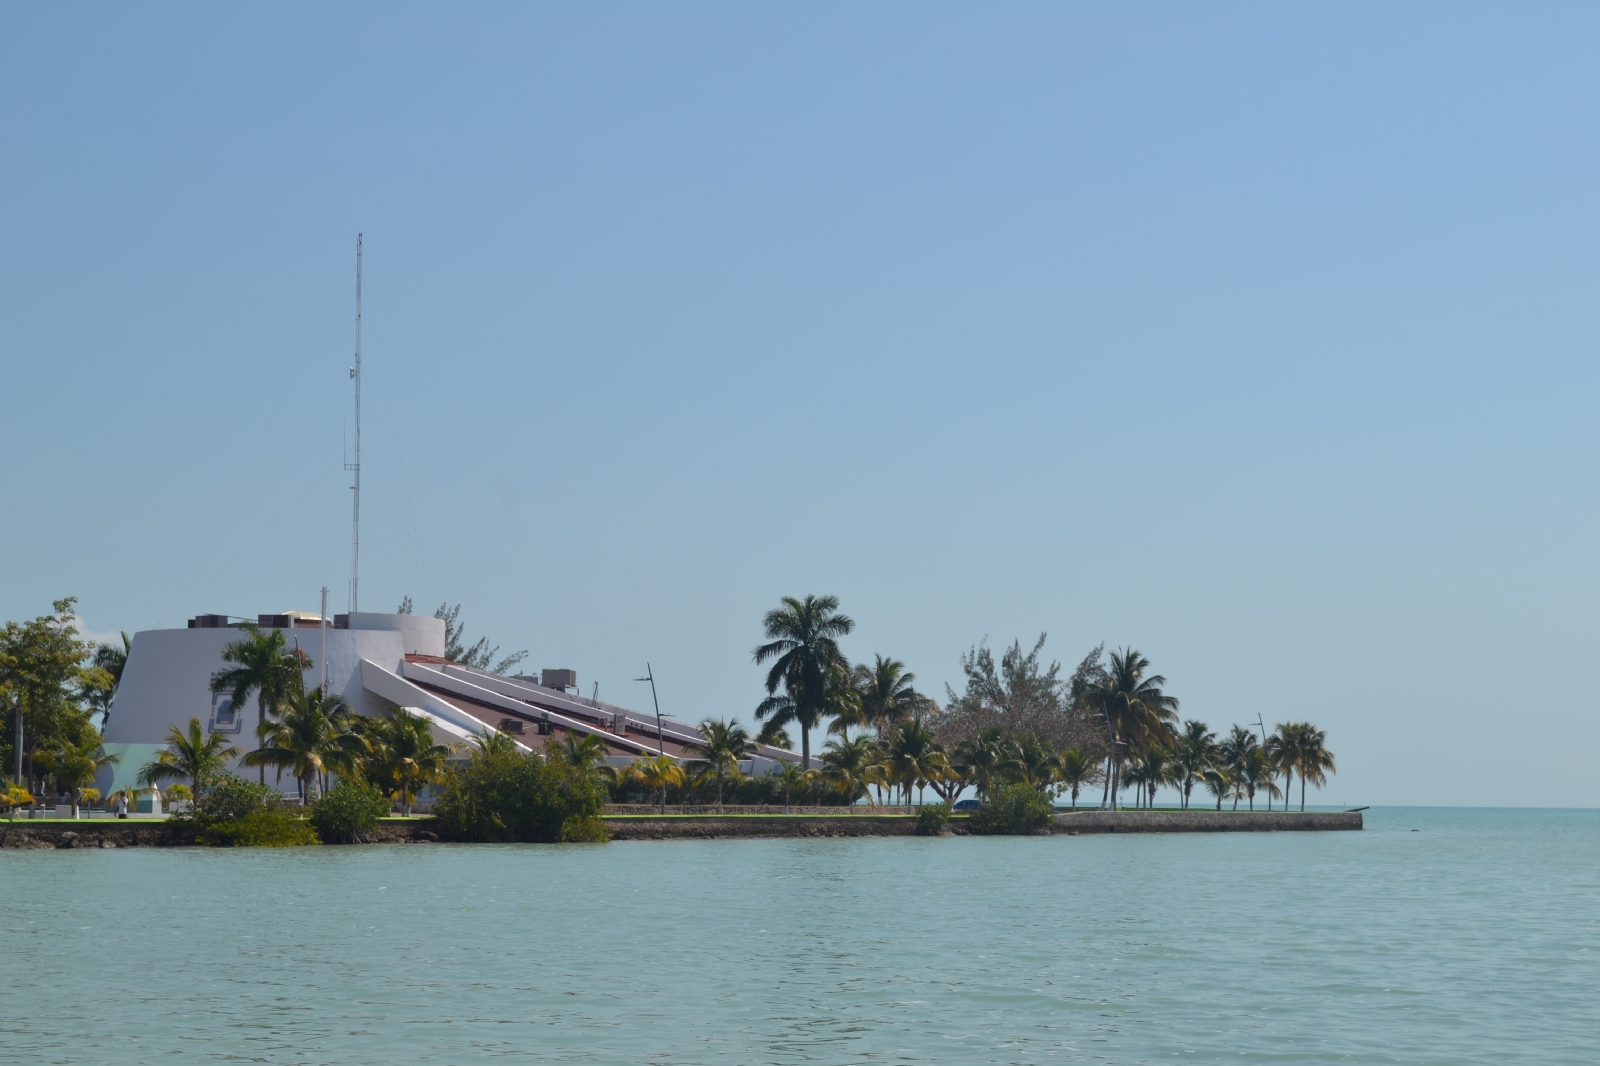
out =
column 377, row 662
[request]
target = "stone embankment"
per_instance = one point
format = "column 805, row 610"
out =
column 108, row 833
column 835, row 811
column 1206, row 821
column 47, row 833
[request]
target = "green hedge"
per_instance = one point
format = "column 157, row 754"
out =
column 349, row 813
column 511, row 796
column 1013, row 810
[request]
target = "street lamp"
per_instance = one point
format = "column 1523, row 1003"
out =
column 650, row 676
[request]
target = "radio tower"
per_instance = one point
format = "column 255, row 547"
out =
column 355, row 375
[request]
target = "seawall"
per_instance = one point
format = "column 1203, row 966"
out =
column 109, row 833
column 1206, row 821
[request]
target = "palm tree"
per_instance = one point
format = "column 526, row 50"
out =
column 492, row 742
column 982, row 759
column 1134, row 708
column 913, row 757
column 1195, row 750
column 1258, row 775
column 721, row 745
column 190, row 755
column 1033, row 763
column 74, row 764
column 313, row 735
column 1308, row 752
column 887, row 693
column 1219, row 782
column 1160, row 768
column 852, row 765
column 1234, row 752
column 404, row 754
column 655, row 772
column 586, row 754
column 803, row 644
column 792, row 776
column 1076, row 770
column 263, row 666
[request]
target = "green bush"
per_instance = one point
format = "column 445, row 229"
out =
column 260, row 829
column 349, row 813
column 230, row 812
column 584, row 829
column 511, row 796
column 931, row 819
column 1013, row 810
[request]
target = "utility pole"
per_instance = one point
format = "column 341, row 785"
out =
column 322, row 639
column 355, row 375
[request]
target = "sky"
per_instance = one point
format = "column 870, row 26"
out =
column 1257, row 337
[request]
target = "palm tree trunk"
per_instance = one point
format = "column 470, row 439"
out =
column 1288, row 787
column 1302, row 793
column 805, row 746
column 719, row 790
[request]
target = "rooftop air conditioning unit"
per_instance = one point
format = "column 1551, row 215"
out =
column 511, row 725
column 559, row 679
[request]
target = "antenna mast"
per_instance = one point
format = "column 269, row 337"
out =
column 355, row 375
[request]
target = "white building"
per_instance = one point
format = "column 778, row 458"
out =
column 377, row 662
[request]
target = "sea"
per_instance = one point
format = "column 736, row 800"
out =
column 1436, row 935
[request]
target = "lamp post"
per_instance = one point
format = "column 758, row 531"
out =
column 661, row 744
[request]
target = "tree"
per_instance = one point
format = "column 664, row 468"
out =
column 1195, row 750
column 1257, row 775
column 655, row 772
column 477, row 655
column 912, row 756
column 1077, row 768
column 803, row 646
column 75, row 764
column 190, row 755
column 261, row 666
column 41, row 672
column 587, row 754
column 791, row 775
column 1134, row 709
column 314, row 735
column 1234, row 753
column 1033, row 762
column 1308, row 752
column 982, row 759
column 403, row 755
column 887, row 693
column 103, row 677
column 1218, row 781
column 1020, row 696
column 721, row 745
column 851, row 764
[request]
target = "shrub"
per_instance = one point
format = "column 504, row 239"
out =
column 260, row 829
column 584, row 829
column 230, row 812
column 1013, row 810
column 931, row 819
column 510, row 796
column 349, row 813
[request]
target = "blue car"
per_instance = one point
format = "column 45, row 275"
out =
column 966, row 806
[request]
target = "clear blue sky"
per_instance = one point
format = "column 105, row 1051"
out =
column 1259, row 337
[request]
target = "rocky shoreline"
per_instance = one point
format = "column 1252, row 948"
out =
column 48, row 834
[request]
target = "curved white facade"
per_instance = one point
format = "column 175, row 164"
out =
column 167, row 680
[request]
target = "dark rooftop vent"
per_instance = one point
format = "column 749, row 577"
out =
column 209, row 621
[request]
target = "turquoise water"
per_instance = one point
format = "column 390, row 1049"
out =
column 1472, row 940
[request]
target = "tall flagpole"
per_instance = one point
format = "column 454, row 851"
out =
column 355, row 525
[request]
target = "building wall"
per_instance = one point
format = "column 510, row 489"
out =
column 167, row 680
